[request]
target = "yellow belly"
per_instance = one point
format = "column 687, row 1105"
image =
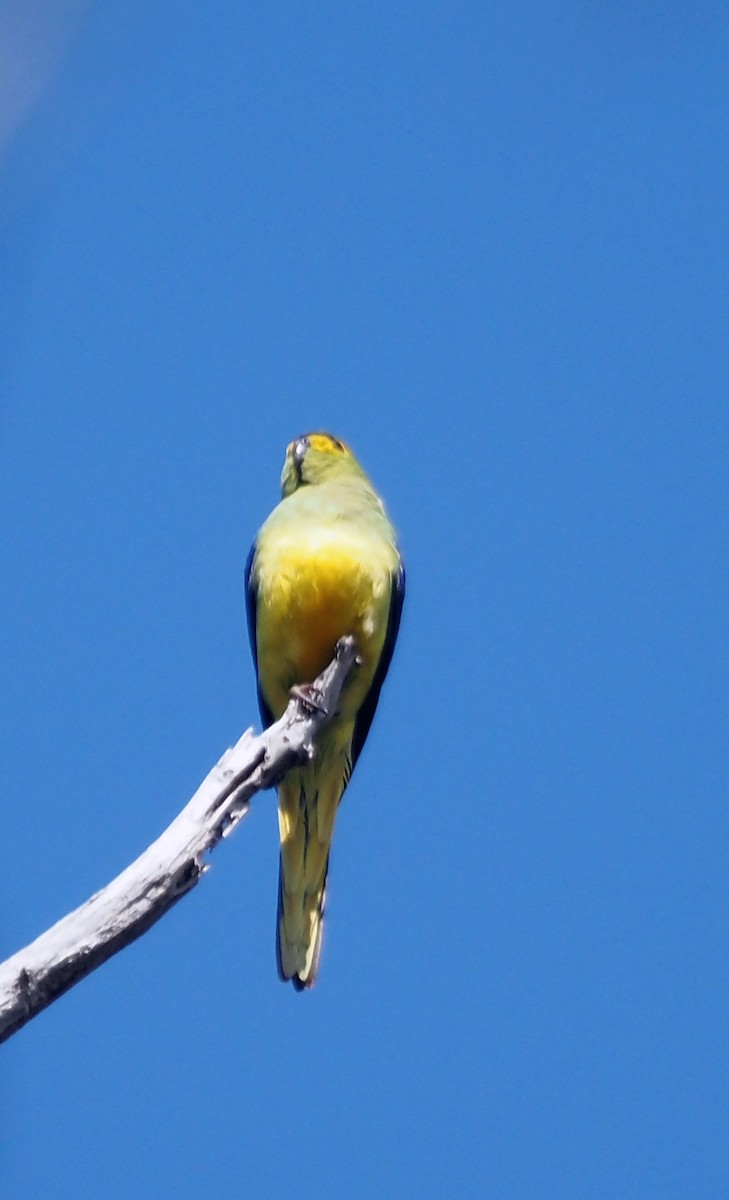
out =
column 311, row 592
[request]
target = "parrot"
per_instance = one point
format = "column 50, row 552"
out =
column 324, row 564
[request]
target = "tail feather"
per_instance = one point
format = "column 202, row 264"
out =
column 299, row 936
column 307, row 799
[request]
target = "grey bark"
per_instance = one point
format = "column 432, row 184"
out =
column 169, row 869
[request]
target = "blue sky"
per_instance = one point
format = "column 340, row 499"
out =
column 486, row 245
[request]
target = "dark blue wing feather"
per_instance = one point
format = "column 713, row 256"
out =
column 251, row 611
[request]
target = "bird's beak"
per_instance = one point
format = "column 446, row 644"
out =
column 300, row 448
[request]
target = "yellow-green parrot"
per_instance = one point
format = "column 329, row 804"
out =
column 324, row 564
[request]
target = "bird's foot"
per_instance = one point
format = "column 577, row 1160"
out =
column 309, row 696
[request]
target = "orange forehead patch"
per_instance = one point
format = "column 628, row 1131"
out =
column 326, row 443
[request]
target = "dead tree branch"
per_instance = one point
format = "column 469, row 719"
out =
column 127, row 907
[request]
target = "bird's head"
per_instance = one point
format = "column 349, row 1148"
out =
column 316, row 458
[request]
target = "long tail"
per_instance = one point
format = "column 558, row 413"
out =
column 307, row 804
column 299, row 933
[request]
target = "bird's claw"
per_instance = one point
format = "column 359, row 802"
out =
column 309, row 696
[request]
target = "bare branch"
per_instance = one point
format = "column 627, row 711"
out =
column 112, row 918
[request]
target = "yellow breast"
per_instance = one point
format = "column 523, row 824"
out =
column 312, row 590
